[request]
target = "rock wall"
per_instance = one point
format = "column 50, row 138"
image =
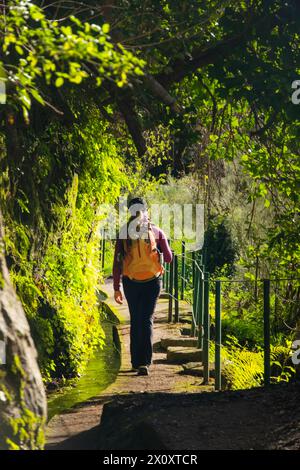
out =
column 22, row 394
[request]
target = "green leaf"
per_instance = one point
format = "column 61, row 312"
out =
column 36, row 13
column 59, row 82
column 37, row 96
column 105, row 28
column 19, row 50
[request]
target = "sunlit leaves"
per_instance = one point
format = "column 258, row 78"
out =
column 59, row 54
column 36, row 13
column 59, row 82
column 105, row 28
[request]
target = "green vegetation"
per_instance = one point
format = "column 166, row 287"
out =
column 184, row 101
column 56, row 178
column 243, row 368
column 54, row 246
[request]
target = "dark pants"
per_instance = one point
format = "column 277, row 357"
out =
column 141, row 298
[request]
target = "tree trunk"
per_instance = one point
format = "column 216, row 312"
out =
column 22, row 394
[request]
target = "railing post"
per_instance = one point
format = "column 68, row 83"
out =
column 206, row 330
column 194, row 307
column 267, row 367
column 193, row 266
column 167, row 272
column 200, row 257
column 218, row 384
column 100, row 246
column 201, row 307
column 171, row 278
column 176, row 294
column 103, row 251
column 167, row 277
column 204, row 252
column 182, row 270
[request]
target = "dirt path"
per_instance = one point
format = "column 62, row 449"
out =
column 256, row 419
column 168, row 410
column 79, row 427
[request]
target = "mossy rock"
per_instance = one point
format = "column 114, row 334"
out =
column 22, row 394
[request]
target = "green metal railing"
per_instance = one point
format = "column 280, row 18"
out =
column 102, row 249
column 186, row 279
column 193, row 277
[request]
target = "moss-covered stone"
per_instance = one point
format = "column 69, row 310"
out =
column 22, row 395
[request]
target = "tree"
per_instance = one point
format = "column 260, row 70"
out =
column 89, row 82
column 38, row 56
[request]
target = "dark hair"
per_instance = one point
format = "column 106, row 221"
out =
column 134, row 201
column 137, row 200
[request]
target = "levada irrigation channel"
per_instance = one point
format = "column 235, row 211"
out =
column 101, row 371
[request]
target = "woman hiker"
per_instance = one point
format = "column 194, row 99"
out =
column 140, row 251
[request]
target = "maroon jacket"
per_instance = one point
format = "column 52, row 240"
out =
column 162, row 245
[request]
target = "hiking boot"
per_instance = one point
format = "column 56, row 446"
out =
column 143, row 370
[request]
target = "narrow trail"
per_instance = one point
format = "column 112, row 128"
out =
column 78, row 427
column 168, row 410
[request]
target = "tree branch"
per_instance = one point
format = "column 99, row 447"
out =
column 200, row 58
column 182, row 68
column 158, row 90
column 259, row 131
column 126, row 107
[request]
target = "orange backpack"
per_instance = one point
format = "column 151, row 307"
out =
column 142, row 259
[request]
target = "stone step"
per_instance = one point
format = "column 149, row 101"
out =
column 184, row 341
column 185, row 330
column 181, row 354
column 164, row 295
column 185, row 318
column 194, row 368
